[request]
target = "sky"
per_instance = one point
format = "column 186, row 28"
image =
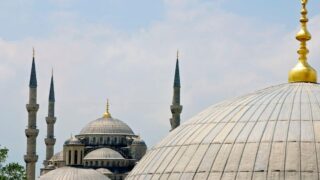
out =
column 126, row 50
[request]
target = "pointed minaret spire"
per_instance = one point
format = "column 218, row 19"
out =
column 177, row 73
column 176, row 108
column 33, row 76
column 32, row 132
column 303, row 72
column 51, row 93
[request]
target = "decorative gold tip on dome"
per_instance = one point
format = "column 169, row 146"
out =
column 303, row 72
column 107, row 113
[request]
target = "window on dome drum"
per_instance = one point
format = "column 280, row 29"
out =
column 108, row 140
column 93, row 140
column 69, row 157
column 75, row 157
column 101, row 140
column 86, row 163
column 97, row 163
column 81, row 157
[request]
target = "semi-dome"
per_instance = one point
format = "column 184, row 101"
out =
column 107, row 125
column 273, row 133
column 138, row 141
column 103, row 153
column 70, row 173
column 72, row 141
column 104, row 171
column 57, row 157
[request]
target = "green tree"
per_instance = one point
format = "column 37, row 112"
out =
column 10, row 171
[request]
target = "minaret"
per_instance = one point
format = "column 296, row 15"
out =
column 32, row 132
column 50, row 119
column 176, row 108
column 303, row 72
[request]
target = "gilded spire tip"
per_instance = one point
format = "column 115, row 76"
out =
column 33, row 52
column 107, row 113
column 303, row 72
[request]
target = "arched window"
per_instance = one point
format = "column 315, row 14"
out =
column 108, row 140
column 69, row 157
column 81, row 157
column 87, row 163
column 93, row 140
column 101, row 140
column 75, row 157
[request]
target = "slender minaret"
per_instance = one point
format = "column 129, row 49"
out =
column 176, row 108
column 32, row 132
column 51, row 119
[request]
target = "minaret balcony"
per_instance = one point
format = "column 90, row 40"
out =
column 30, row 158
column 176, row 108
column 32, row 107
column 51, row 120
column 50, row 141
column 32, row 132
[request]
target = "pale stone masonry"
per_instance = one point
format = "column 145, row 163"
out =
column 32, row 132
column 176, row 108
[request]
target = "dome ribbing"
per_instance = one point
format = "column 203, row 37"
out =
column 273, row 133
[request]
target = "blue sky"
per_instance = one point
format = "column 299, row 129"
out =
column 125, row 51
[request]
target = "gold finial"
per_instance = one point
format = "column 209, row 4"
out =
column 107, row 113
column 33, row 52
column 303, row 72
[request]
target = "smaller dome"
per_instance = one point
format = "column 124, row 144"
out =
column 73, row 141
column 57, row 157
column 138, row 141
column 71, row 173
column 104, row 171
column 103, row 153
column 106, row 125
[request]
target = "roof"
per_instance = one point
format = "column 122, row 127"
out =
column 103, row 153
column 104, row 171
column 57, row 157
column 138, row 141
column 73, row 141
column 271, row 133
column 107, row 125
column 70, row 173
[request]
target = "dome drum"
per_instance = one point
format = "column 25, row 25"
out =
column 105, row 140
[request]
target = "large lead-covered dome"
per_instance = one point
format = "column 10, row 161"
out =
column 107, row 125
column 71, row 173
column 273, row 133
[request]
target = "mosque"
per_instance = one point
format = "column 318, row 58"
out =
column 270, row 134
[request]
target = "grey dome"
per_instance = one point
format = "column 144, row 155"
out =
column 138, row 141
column 103, row 153
column 272, row 134
column 70, row 173
column 107, row 126
column 57, row 157
column 104, row 171
column 72, row 141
